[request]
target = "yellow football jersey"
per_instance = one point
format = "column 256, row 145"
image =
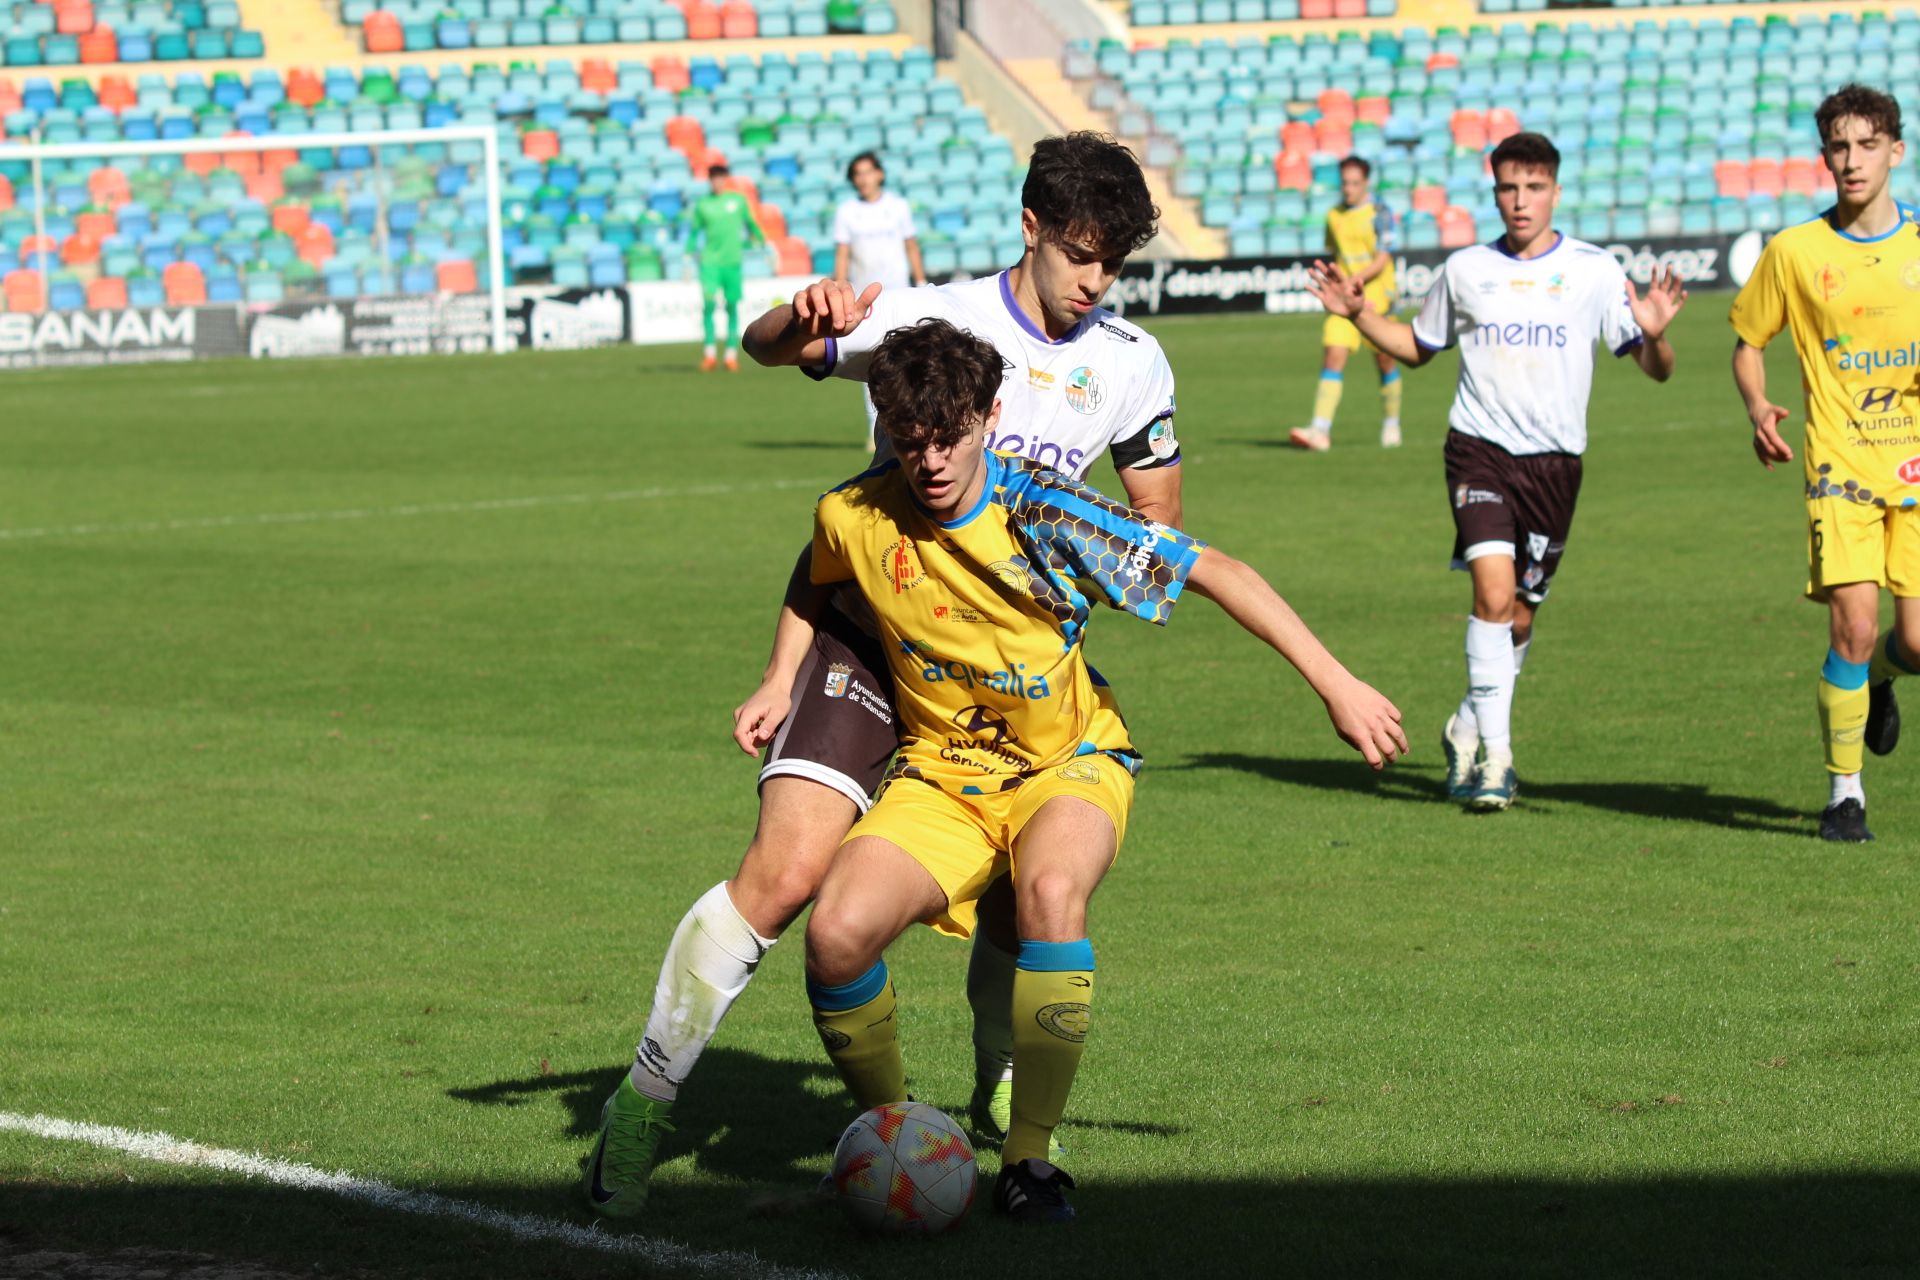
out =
column 982, row 616
column 1358, row 235
column 1854, row 307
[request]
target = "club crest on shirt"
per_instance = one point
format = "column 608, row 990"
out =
column 1910, row 275
column 1086, row 390
column 901, row 566
column 1013, row 575
column 838, row 674
column 1556, row 286
column 1830, row 281
column 1081, row 771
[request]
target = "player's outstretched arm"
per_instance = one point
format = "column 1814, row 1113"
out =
column 1346, row 296
column 1750, row 376
column 1665, row 295
column 756, row 720
column 1361, row 715
column 797, row 332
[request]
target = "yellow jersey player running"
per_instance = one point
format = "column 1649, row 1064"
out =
column 1848, row 284
column 981, row 569
column 1362, row 236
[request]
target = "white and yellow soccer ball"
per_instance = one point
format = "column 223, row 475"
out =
column 904, row 1168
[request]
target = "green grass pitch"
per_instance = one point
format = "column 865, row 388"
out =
column 365, row 734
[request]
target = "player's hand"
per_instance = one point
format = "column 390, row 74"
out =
column 1366, row 721
column 1665, row 295
column 1341, row 294
column 1767, row 444
column 756, row 720
column 829, row 309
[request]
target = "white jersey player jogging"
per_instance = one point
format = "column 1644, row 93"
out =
column 876, row 234
column 1105, row 386
column 1526, row 329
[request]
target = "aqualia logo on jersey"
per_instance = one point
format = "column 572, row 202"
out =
column 1851, row 359
column 1012, row 683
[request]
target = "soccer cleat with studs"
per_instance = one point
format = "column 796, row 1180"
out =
column 1883, row 719
column 1462, row 753
column 1845, row 822
column 1033, row 1192
column 1496, row 785
column 618, row 1171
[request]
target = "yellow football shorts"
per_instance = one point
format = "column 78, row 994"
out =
column 1339, row 331
column 965, row 842
column 1857, row 542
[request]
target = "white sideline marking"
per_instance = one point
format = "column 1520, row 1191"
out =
column 410, row 509
column 167, row 1149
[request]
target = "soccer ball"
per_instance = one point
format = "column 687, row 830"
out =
column 904, row 1169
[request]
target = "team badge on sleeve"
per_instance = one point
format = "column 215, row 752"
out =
column 1161, row 441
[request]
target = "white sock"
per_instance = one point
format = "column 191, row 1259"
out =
column 1520, row 656
column 1846, row 786
column 990, row 992
column 710, row 351
column 1320, row 426
column 1490, row 672
column 709, row 962
column 1464, row 723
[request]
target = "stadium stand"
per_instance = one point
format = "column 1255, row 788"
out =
column 65, row 33
column 1175, row 13
column 1667, row 127
column 396, row 26
column 599, row 161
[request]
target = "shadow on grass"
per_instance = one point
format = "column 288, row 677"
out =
column 1680, row 801
column 1862, row 1225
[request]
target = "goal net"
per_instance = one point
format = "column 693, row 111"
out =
column 290, row 244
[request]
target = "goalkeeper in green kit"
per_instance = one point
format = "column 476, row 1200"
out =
column 723, row 226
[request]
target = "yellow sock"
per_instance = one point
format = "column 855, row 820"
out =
column 856, row 1023
column 1390, row 389
column 1326, row 400
column 1890, row 660
column 1843, row 712
column 1052, row 989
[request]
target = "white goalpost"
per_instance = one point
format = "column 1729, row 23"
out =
column 357, row 183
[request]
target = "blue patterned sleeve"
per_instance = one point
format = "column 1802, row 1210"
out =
column 1138, row 565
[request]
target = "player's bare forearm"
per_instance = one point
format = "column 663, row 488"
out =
column 915, row 265
column 797, row 332
column 1655, row 358
column 1750, row 377
column 840, row 256
column 1395, row 337
column 1363, row 717
column 775, row 339
column 1154, row 492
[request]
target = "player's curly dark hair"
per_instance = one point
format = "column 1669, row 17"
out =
column 1357, row 162
column 1529, row 151
column 865, row 157
column 1087, row 188
column 930, row 382
column 1879, row 111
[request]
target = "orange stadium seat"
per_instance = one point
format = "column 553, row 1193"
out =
column 1765, row 178
column 1373, row 110
column 1732, row 179
column 1440, row 60
column 1456, row 227
column 1294, row 170
column 671, row 74
column 108, row 293
column 540, row 144
column 739, row 20
column 108, row 186
column 275, row 161
column 304, row 88
column 1430, row 199
column 265, row 187
column 291, row 218
column 598, row 76
column 457, row 277
column 383, row 33
column 100, row 45
column 1296, row 135
column 79, row 250
column 773, row 223
column 116, row 93
column 315, row 244
column 1349, row 8
column 685, row 134
column 1502, row 124
column 703, row 21
column 1797, row 174
column 795, row 259
column 1316, row 10
column 73, row 17
column 705, row 159
column 96, row 226
column 6, row 193
column 31, row 246
column 25, row 291
column 185, row 285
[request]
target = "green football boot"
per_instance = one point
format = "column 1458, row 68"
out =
column 991, row 1111
column 630, row 1127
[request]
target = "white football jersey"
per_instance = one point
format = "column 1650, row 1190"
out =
column 1526, row 329
column 876, row 234
column 1105, row 386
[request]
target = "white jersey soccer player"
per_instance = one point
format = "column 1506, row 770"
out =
column 1079, row 382
column 875, row 240
column 1526, row 312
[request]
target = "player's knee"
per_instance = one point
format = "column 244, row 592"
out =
column 841, row 942
column 1854, row 637
column 1493, row 606
column 1052, row 906
column 778, row 878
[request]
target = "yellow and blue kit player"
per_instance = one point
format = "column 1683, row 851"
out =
column 1362, row 236
column 981, row 571
column 1848, row 284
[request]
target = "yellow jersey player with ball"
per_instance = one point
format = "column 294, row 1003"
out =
column 1848, row 285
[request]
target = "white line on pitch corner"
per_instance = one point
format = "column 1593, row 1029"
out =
column 167, row 1149
column 402, row 512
